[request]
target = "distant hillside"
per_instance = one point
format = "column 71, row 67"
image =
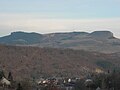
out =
column 21, row 38
column 102, row 34
column 100, row 41
column 34, row 62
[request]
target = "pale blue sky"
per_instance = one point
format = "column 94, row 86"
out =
column 46, row 16
column 64, row 8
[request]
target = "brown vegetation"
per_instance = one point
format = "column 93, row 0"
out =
column 34, row 62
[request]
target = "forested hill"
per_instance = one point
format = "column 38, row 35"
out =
column 35, row 62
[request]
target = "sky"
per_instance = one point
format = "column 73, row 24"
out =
column 48, row 16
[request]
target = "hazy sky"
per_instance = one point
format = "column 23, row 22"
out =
column 46, row 16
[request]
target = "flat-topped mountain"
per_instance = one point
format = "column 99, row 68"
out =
column 100, row 41
column 102, row 34
column 21, row 38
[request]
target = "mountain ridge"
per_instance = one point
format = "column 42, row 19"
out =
column 100, row 41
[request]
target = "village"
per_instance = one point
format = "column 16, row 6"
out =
column 96, row 81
